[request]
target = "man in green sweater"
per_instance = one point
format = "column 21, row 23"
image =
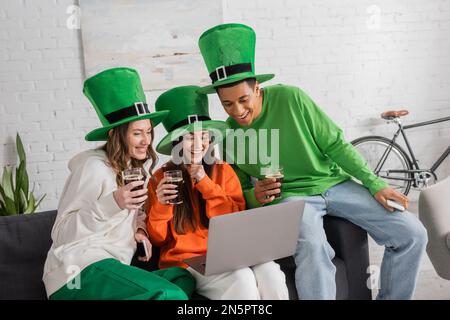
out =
column 318, row 167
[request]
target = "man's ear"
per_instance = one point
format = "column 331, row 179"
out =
column 257, row 89
column 110, row 132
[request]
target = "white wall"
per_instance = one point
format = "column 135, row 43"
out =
column 41, row 78
column 351, row 65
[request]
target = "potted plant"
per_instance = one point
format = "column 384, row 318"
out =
column 15, row 197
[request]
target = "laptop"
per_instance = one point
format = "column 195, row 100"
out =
column 250, row 237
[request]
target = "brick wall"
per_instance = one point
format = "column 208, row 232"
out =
column 41, row 74
column 354, row 58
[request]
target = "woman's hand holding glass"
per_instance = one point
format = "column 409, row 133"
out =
column 166, row 191
column 128, row 199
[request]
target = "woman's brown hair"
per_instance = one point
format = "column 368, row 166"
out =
column 116, row 149
column 183, row 213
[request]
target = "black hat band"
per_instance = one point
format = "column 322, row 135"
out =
column 138, row 109
column 190, row 119
column 222, row 72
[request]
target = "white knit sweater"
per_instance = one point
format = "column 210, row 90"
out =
column 89, row 226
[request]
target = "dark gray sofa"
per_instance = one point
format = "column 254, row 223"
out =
column 25, row 240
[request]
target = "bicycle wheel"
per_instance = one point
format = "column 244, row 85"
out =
column 372, row 148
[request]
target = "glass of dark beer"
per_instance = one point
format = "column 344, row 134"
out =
column 175, row 177
column 277, row 173
column 133, row 174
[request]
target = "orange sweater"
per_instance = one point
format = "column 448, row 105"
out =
column 222, row 193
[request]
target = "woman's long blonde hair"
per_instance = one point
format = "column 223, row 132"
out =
column 116, row 149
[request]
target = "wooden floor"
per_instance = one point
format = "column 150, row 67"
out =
column 429, row 287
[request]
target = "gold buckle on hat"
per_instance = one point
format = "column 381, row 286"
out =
column 140, row 108
column 224, row 72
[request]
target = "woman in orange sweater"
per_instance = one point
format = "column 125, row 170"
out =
column 209, row 189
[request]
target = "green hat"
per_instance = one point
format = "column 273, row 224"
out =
column 188, row 113
column 229, row 54
column 118, row 98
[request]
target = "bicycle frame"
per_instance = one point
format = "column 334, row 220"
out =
column 413, row 159
column 421, row 124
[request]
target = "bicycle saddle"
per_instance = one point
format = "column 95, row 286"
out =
column 389, row 115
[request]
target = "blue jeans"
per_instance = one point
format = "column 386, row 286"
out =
column 401, row 233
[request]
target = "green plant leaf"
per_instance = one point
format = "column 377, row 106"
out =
column 24, row 203
column 7, row 182
column 39, row 202
column 26, row 182
column 23, row 178
column 17, row 192
column 20, row 186
column 31, row 205
column 2, row 192
column 19, row 175
column 16, row 189
column 20, row 149
column 17, row 200
column 3, row 212
column 3, row 204
column 10, row 206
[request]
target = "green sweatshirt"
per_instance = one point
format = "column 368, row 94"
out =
column 311, row 147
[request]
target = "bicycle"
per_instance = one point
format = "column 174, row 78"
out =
column 391, row 162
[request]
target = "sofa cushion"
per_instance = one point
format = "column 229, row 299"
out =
column 24, row 243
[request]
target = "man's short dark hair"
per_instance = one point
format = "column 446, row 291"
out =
column 250, row 81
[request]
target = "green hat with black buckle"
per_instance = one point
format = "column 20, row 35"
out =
column 118, row 98
column 229, row 54
column 188, row 113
